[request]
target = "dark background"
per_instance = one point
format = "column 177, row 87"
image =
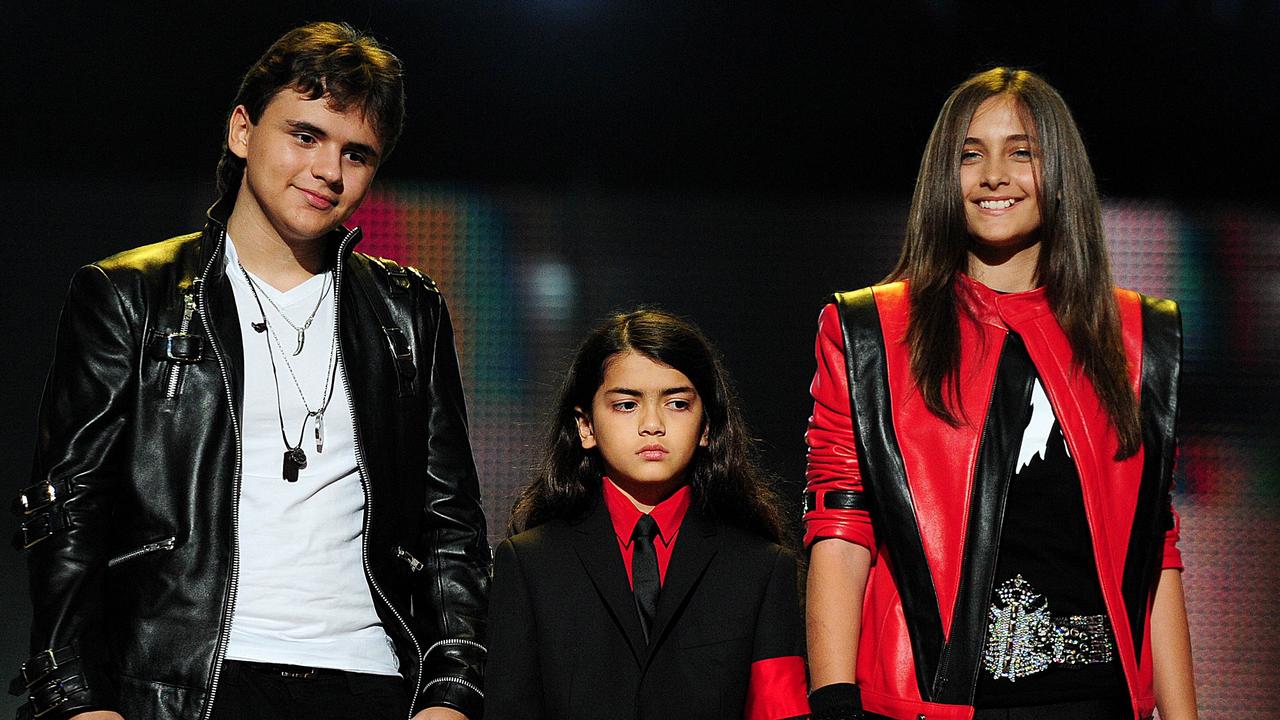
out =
column 748, row 141
column 1177, row 99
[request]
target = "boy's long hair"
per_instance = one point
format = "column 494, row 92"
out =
column 1073, row 265
column 725, row 479
column 322, row 59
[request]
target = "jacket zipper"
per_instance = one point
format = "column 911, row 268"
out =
column 364, row 480
column 166, row 544
column 189, row 302
column 944, row 659
column 234, row 581
column 455, row 679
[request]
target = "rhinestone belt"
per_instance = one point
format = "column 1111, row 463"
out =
column 1024, row 638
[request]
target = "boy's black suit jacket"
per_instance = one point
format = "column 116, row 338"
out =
column 565, row 636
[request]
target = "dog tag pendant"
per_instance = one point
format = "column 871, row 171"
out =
column 320, row 431
column 294, row 460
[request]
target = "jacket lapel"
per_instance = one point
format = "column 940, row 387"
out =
column 597, row 548
column 695, row 547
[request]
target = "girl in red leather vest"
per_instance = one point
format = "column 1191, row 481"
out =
column 991, row 447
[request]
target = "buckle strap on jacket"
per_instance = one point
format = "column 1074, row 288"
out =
column 55, row 694
column 41, row 495
column 835, row 500
column 401, row 351
column 183, row 347
column 397, row 276
column 393, row 316
column 39, row 666
column 43, row 525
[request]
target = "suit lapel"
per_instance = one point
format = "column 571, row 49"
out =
column 695, row 547
column 597, row 548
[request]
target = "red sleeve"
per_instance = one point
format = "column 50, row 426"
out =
column 777, row 689
column 833, row 456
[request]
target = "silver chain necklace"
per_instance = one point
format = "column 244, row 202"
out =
column 301, row 331
column 295, row 458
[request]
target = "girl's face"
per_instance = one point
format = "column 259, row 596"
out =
column 646, row 420
column 1000, row 177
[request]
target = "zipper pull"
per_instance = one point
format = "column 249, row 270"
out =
column 415, row 565
column 189, row 301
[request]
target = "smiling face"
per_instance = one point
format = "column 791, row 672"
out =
column 307, row 166
column 1000, row 178
column 646, row 421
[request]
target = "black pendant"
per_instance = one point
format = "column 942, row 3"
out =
column 294, row 460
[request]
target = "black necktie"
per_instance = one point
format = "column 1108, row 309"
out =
column 644, row 571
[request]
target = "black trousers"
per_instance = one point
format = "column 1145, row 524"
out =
column 1082, row 710
column 261, row 691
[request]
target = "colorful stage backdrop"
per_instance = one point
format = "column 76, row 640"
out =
column 525, row 275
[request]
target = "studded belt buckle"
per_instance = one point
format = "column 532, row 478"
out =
column 1024, row 638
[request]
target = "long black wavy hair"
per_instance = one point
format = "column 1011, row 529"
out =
column 726, row 480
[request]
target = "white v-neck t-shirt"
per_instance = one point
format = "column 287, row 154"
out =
column 302, row 597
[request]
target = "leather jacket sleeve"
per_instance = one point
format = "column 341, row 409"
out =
column 455, row 537
column 83, row 425
column 833, row 455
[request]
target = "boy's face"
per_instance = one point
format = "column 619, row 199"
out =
column 307, row 167
column 646, row 420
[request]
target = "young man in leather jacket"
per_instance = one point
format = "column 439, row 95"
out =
column 254, row 495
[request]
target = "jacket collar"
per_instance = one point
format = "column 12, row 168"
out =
column 215, row 230
column 1000, row 309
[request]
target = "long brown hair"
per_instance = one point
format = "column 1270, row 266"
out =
column 1073, row 265
column 726, row 480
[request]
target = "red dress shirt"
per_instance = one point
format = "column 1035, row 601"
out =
column 668, row 514
column 777, row 685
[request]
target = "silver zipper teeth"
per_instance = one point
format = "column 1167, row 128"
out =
column 364, row 478
column 458, row 641
column 225, row 623
column 166, row 544
column 190, row 305
column 456, row 679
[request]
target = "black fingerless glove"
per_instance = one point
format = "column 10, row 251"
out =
column 841, row 701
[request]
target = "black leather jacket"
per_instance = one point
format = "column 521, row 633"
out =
column 129, row 529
